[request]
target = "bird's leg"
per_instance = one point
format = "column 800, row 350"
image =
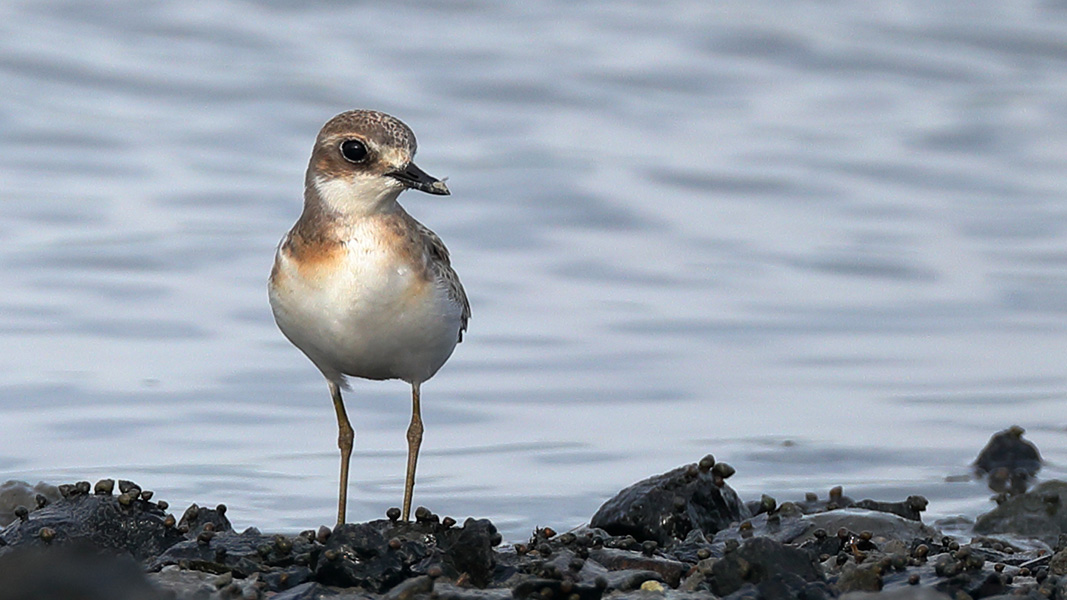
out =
column 414, row 441
column 345, row 435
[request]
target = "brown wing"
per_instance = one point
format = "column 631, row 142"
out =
column 440, row 265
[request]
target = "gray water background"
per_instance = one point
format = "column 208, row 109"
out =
column 824, row 241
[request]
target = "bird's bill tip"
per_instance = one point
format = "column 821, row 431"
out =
column 415, row 178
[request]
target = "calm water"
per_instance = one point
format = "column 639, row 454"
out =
column 826, row 242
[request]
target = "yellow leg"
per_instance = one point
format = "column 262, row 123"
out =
column 345, row 435
column 414, row 441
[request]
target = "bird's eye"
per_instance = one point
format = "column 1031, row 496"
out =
column 354, row 151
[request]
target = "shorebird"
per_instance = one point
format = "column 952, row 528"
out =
column 360, row 286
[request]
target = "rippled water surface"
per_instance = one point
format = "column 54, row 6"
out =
column 826, row 242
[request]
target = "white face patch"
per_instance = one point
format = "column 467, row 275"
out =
column 359, row 194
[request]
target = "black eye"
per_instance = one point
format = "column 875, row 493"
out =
column 353, row 150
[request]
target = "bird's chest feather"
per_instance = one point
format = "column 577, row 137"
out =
column 355, row 282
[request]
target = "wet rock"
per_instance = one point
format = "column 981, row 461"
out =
column 1058, row 563
column 542, row 589
column 666, row 507
column 184, row 583
column 1040, row 513
column 880, row 525
column 447, row 591
column 909, row 593
column 612, row 559
column 1008, row 461
column 196, row 519
column 866, row 577
column 1008, row 449
column 466, row 550
column 784, row 525
column 410, row 588
column 80, row 572
column 308, row 591
column 137, row 528
column 911, row 508
column 14, row 494
column 243, row 555
column 759, row 559
column 835, row 499
column 360, row 555
column 625, row 580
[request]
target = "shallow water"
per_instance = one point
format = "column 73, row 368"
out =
column 825, row 243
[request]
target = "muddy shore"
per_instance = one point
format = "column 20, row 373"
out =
column 680, row 534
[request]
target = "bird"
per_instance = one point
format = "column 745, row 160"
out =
column 358, row 285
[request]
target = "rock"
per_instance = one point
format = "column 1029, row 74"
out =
column 307, row 591
column 1008, row 449
column 759, row 559
column 1058, row 564
column 138, row 528
column 447, row 591
column 410, row 588
column 245, row 554
column 197, row 518
column 467, row 550
column 881, row 525
column 866, row 577
column 81, row 572
column 618, row 560
column 1040, row 513
column 907, row 593
column 538, row 589
column 788, row 586
column 183, row 583
column 360, row 555
column 911, row 508
column 665, row 508
column 1008, row 461
column 14, row 494
column 625, row 580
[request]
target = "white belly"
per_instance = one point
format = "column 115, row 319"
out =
column 366, row 315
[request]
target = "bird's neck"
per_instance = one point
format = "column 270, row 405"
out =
column 351, row 198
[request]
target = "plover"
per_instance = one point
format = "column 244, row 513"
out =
column 360, row 286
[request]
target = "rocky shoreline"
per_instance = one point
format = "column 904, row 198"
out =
column 683, row 534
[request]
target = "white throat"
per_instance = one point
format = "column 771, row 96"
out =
column 357, row 195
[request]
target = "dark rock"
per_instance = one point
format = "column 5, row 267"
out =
column 284, row 578
column 881, row 525
column 14, row 494
column 197, row 518
column 908, row 593
column 759, row 559
column 73, row 571
column 788, row 586
column 101, row 521
column 360, row 555
column 911, row 509
column 540, row 589
column 628, row 579
column 245, row 554
column 1008, row 461
column 307, row 591
column 835, row 499
column 184, row 584
column 1008, row 449
column 612, row 559
column 410, row 588
column 447, row 591
column 665, row 508
column 866, row 577
column 467, row 550
column 1040, row 513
